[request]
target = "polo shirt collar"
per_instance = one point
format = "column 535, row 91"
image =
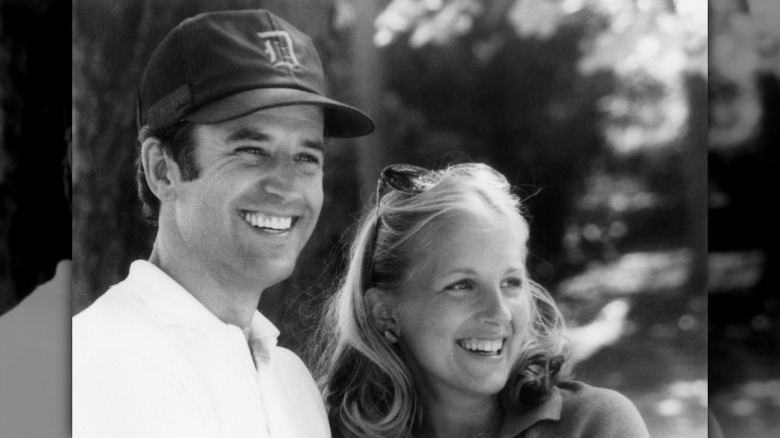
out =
column 263, row 336
column 175, row 306
column 516, row 422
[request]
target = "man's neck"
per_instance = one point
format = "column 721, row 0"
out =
column 229, row 301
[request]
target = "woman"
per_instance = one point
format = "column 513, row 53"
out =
column 437, row 331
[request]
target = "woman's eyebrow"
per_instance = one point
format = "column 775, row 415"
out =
column 514, row 270
column 460, row 270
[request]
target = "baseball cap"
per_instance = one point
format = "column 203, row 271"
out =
column 219, row 66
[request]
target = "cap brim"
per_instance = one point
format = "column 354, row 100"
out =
column 341, row 121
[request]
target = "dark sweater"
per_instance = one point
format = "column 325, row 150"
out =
column 577, row 410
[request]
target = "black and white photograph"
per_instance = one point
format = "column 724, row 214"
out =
column 397, row 218
column 389, row 218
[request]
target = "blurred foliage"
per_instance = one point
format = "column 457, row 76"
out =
column 647, row 44
column 34, row 117
column 633, row 273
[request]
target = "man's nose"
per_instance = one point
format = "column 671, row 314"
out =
column 280, row 179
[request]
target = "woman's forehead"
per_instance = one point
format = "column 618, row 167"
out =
column 473, row 242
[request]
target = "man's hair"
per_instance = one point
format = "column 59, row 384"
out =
column 178, row 142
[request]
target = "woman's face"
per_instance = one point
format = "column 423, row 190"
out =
column 464, row 308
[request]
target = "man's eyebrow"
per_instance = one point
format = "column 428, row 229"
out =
column 315, row 144
column 245, row 133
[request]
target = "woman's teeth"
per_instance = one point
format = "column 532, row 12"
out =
column 482, row 346
column 272, row 223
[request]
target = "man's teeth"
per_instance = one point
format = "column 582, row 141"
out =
column 271, row 222
column 491, row 346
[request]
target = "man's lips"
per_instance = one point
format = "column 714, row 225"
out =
column 268, row 223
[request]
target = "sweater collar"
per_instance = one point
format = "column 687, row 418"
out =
column 516, row 422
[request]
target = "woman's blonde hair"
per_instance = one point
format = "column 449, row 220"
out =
column 367, row 387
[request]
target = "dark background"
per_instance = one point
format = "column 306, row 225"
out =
column 744, row 134
column 35, row 113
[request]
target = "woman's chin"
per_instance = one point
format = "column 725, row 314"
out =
column 487, row 384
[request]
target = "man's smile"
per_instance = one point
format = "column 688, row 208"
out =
column 268, row 223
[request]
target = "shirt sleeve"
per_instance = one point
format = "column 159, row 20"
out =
column 125, row 395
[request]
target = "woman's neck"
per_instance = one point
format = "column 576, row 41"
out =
column 461, row 418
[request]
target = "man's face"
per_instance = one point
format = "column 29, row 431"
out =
column 247, row 216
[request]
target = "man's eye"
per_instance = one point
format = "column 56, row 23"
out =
column 308, row 158
column 251, row 150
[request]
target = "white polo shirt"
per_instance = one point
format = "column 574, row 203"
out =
column 149, row 360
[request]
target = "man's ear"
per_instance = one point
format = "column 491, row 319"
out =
column 160, row 170
column 381, row 307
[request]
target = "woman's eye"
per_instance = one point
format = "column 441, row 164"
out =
column 512, row 283
column 460, row 286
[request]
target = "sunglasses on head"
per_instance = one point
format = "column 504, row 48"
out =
column 409, row 179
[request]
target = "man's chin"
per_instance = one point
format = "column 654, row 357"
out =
column 273, row 270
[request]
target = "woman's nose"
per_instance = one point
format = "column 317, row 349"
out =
column 495, row 310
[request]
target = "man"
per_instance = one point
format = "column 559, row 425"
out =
column 232, row 119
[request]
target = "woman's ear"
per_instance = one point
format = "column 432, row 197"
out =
column 160, row 170
column 380, row 306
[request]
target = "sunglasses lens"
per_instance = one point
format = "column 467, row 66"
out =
column 406, row 178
